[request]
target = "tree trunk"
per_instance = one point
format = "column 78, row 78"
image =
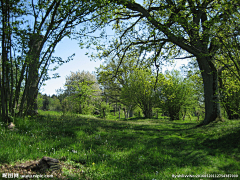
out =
column 119, row 108
column 32, row 99
column 32, row 86
column 4, row 94
column 211, row 95
column 125, row 112
column 184, row 114
column 130, row 111
column 115, row 109
column 147, row 111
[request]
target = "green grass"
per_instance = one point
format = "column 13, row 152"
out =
column 131, row 149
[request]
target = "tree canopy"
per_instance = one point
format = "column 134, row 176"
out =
column 172, row 28
column 30, row 31
column 145, row 35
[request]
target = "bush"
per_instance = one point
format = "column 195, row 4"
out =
column 138, row 112
column 87, row 109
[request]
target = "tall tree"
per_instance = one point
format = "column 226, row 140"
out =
column 114, row 78
column 138, row 89
column 82, row 89
column 53, row 20
column 170, row 28
column 175, row 93
column 9, row 11
column 30, row 32
column 229, row 92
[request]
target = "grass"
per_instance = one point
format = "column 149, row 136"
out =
column 92, row 148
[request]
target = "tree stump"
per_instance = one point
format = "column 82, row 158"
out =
column 48, row 163
column 45, row 164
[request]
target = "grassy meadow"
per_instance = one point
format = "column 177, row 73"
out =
column 92, row 148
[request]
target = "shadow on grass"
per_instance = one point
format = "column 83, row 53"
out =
column 159, row 153
column 227, row 143
column 136, row 151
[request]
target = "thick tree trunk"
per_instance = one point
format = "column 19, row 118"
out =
column 4, row 38
column 104, row 113
column 130, row 111
column 32, row 86
column 32, row 99
column 147, row 111
column 210, row 81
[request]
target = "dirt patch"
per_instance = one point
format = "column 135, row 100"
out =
column 35, row 167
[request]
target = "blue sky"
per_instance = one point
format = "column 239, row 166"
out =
column 80, row 62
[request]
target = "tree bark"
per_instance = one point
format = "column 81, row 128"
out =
column 4, row 60
column 119, row 108
column 130, row 111
column 115, row 109
column 211, row 91
column 147, row 111
column 32, row 86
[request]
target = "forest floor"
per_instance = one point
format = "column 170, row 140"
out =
column 92, row 148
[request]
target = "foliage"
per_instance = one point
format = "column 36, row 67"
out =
column 193, row 73
column 164, row 30
column 40, row 101
column 230, row 94
column 104, row 109
column 175, row 94
column 66, row 105
column 139, row 89
column 28, row 45
column 138, row 112
column 54, row 104
column 46, row 101
column 82, row 91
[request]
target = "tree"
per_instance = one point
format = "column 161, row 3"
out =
column 193, row 74
column 54, row 104
column 170, row 28
column 118, row 82
column 175, row 94
column 46, row 102
column 82, row 89
column 9, row 10
column 28, row 45
column 53, row 20
column 230, row 93
column 138, row 88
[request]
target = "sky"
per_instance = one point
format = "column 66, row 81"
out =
column 80, row 62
